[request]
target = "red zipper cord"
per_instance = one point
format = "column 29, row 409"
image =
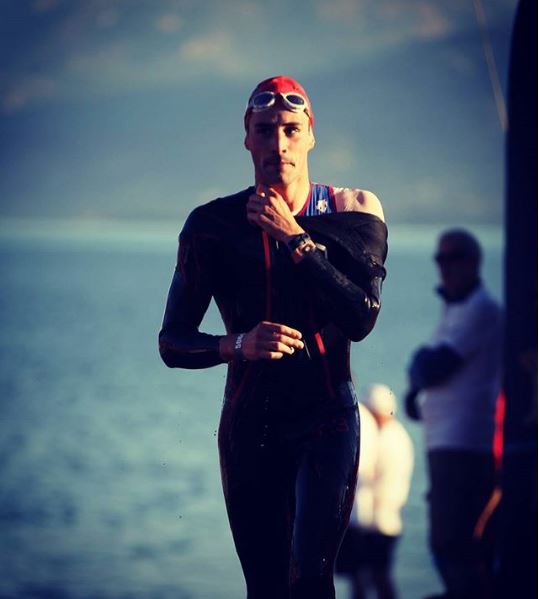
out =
column 267, row 266
column 317, row 336
column 322, row 350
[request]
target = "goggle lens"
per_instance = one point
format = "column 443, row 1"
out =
column 263, row 100
column 295, row 99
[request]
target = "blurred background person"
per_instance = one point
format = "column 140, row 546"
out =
column 385, row 471
column 458, row 375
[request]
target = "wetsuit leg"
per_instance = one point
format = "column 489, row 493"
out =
column 258, row 482
column 325, row 488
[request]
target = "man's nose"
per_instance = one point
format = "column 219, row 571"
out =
column 279, row 142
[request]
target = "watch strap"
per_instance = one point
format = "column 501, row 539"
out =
column 298, row 240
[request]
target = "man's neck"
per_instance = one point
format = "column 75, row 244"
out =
column 294, row 194
column 455, row 296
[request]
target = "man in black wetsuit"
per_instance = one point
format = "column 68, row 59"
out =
column 295, row 269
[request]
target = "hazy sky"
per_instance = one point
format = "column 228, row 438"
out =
column 133, row 109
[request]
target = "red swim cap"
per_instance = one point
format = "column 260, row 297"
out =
column 280, row 85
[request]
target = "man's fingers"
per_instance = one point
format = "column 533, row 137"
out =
column 252, row 218
column 281, row 329
column 258, row 207
column 254, row 207
column 284, row 340
column 266, row 191
column 257, row 199
column 281, row 347
column 271, row 355
column 297, row 343
column 280, row 334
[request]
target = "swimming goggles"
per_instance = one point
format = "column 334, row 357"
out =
column 264, row 100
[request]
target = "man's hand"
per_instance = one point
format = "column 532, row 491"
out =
column 266, row 341
column 267, row 209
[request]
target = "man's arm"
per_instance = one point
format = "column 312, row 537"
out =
column 410, row 404
column 353, row 307
column 181, row 344
column 431, row 366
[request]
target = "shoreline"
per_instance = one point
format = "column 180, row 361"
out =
column 163, row 233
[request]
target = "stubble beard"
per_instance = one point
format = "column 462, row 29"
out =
column 278, row 177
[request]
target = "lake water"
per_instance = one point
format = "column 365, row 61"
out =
column 108, row 460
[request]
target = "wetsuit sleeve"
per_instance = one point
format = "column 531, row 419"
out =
column 352, row 303
column 181, row 344
column 433, row 366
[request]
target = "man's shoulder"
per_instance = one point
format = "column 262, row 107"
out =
column 349, row 199
column 214, row 211
column 219, row 204
column 483, row 303
column 477, row 317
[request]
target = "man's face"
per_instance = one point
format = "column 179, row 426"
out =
column 458, row 268
column 279, row 141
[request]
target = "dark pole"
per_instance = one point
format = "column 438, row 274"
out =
column 518, row 511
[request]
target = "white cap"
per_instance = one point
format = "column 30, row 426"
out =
column 380, row 400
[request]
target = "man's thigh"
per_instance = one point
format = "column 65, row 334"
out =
column 260, row 506
column 325, row 488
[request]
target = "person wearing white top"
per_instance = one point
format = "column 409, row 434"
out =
column 385, row 470
column 454, row 384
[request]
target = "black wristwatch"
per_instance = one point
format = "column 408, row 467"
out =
column 298, row 240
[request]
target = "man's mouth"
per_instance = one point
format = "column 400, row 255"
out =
column 279, row 163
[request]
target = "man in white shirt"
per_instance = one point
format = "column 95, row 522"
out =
column 456, row 378
column 384, row 474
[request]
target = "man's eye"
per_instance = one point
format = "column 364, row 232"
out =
column 292, row 130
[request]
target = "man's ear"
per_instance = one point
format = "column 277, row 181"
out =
column 246, row 141
column 312, row 140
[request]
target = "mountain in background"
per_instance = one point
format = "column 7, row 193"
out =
column 416, row 124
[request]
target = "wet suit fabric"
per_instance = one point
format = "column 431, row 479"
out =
column 289, row 430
